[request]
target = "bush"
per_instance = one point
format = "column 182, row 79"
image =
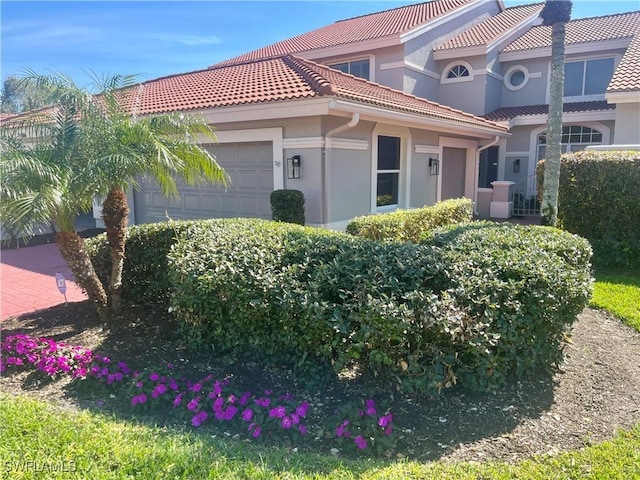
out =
column 471, row 305
column 409, row 225
column 522, row 285
column 598, row 200
column 145, row 276
column 287, row 206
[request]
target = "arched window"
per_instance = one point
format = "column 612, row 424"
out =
column 457, row 71
column 574, row 139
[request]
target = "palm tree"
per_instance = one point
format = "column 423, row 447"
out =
column 47, row 180
column 162, row 146
column 556, row 14
column 105, row 150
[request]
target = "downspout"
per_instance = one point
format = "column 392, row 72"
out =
column 355, row 118
column 477, row 167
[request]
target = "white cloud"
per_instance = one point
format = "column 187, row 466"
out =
column 190, row 40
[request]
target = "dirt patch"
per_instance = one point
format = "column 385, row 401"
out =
column 596, row 391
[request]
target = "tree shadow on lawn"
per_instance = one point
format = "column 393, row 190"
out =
column 426, row 428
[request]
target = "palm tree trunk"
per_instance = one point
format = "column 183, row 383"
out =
column 75, row 253
column 554, row 129
column 115, row 211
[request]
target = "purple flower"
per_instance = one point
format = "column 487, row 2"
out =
column 173, row 385
column 218, row 404
column 244, row 399
column 193, row 404
column 371, row 411
column 388, row 430
column 360, row 442
column 230, row 412
column 199, row 418
column 263, row 402
column 256, row 432
column 196, row 387
column 159, row 390
column 384, row 420
column 369, row 403
column 302, row 429
column 154, row 377
column 247, row 414
column 278, row 412
column 295, row 419
column 301, row 411
column 178, row 400
column 139, row 384
column 286, row 423
column 143, row 398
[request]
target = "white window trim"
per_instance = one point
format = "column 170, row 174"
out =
column 405, row 166
column 582, row 58
column 507, row 78
column 450, row 65
column 372, row 64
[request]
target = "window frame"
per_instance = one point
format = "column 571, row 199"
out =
column 444, row 77
column 349, row 61
column 510, row 72
column 403, row 171
column 584, row 60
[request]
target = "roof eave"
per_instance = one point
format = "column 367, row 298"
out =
column 567, row 117
column 573, row 49
column 375, row 113
column 630, row 96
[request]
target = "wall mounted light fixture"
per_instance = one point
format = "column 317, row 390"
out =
column 516, row 165
column 434, row 166
column 293, row 167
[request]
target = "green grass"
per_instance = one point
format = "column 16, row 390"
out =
column 89, row 445
column 620, row 295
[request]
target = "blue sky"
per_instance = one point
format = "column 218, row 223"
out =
column 153, row 39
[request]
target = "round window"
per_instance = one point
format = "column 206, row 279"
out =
column 517, row 78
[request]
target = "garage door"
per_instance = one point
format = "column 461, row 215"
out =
column 250, row 166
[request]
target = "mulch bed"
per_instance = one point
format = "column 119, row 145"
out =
column 595, row 393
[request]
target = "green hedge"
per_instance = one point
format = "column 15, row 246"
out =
column 409, row 225
column 599, row 200
column 471, row 305
column 145, row 275
column 522, row 284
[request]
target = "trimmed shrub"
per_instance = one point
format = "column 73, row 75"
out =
column 287, row 206
column 145, row 275
column 409, row 225
column 471, row 305
column 522, row 284
column 599, row 200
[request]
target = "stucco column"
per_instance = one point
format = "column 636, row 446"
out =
column 501, row 201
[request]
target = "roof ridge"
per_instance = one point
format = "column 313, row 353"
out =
column 315, row 80
column 603, row 16
column 385, row 11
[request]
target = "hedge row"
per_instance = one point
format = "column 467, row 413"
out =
column 470, row 305
column 599, row 200
column 409, row 225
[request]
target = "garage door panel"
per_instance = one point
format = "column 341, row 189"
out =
column 250, row 167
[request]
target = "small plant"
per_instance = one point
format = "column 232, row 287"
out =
column 362, row 427
column 288, row 206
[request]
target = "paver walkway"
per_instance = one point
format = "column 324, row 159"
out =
column 28, row 280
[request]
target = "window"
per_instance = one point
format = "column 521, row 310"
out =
column 458, row 71
column 388, row 171
column 516, row 77
column 574, row 139
column 359, row 68
column 587, row 77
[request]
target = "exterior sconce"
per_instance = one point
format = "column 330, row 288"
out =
column 516, row 165
column 293, row 167
column 434, row 166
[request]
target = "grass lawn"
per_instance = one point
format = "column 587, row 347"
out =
column 620, row 295
column 41, row 441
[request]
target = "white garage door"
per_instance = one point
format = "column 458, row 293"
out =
column 250, row 166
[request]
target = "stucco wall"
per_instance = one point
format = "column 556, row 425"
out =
column 627, row 124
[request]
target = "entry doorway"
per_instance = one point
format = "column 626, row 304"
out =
column 454, row 169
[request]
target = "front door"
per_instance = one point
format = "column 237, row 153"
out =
column 454, row 166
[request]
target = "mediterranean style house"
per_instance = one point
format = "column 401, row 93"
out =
column 399, row 109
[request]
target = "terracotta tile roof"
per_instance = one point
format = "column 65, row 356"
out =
column 610, row 27
column 6, row 116
column 493, row 28
column 358, row 29
column 627, row 76
column 507, row 113
column 280, row 79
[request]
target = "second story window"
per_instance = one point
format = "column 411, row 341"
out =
column 358, row 68
column 458, row 71
column 587, row 77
